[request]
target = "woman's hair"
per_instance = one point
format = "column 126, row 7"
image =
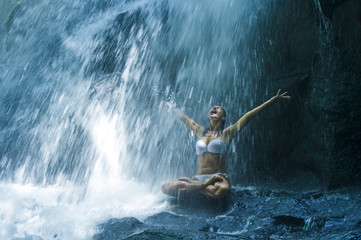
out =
column 223, row 121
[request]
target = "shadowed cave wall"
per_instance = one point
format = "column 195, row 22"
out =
column 314, row 53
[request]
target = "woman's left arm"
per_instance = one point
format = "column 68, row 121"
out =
column 194, row 127
column 230, row 132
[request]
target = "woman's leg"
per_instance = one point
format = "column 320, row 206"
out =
column 218, row 190
column 173, row 187
column 187, row 186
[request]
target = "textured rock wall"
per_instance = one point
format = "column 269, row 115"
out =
column 315, row 53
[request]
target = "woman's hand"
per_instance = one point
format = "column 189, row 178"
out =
column 213, row 180
column 167, row 105
column 281, row 96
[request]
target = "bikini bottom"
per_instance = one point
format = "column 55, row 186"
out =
column 204, row 177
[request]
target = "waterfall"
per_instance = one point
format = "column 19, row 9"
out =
column 83, row 134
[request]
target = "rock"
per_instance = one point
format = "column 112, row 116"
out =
column 168, row 219
column 290, row 221
column 315, row 54
column 178, row 222
column 120, row 228
column 315, row 223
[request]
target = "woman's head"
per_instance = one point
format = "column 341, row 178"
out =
column 217, row 114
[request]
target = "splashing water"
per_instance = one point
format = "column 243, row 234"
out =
column 83, row 136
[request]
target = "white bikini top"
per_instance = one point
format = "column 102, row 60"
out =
column 215, row 146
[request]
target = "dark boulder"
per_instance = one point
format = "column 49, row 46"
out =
column 315, row 55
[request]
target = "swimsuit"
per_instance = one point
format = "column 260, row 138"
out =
column 204, row 177
column 214, row 146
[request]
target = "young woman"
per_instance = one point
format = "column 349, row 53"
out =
column 212, row 178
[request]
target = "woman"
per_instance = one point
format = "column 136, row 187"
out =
column 212, row 178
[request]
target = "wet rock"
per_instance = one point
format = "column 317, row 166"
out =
column 198, row 204
column 313, row 195
column 354, row 237
column 290, row 221
column 252, row 214
column 167, row 219
column 315, row 54
column 120, row 228
column 229, row 224
column 177, row 222
column 315, row 223
column 209, row 228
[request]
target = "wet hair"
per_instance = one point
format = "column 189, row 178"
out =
column 223, row 121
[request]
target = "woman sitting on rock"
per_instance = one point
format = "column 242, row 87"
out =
column 211, row 178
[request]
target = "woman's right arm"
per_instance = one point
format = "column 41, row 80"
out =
column 194, row 127
column 231, row 131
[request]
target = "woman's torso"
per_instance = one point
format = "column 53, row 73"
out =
column 212, row 160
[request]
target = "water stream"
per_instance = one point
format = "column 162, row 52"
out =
column 84, row 137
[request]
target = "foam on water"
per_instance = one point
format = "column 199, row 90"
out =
column 64, row 212
column 70, row 210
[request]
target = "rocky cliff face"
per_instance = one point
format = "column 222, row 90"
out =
column 315, row 53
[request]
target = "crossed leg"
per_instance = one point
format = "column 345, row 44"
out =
column 216, row 187
column 219, row 190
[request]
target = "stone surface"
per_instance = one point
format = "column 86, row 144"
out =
column 315, row 55
column 251, row 214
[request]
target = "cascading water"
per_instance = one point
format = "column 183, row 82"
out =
column 85, row 142
column 83, row 135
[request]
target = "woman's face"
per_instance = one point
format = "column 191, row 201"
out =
column 217, row 113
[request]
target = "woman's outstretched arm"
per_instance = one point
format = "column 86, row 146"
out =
column 230, row 132
column 194, row 127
